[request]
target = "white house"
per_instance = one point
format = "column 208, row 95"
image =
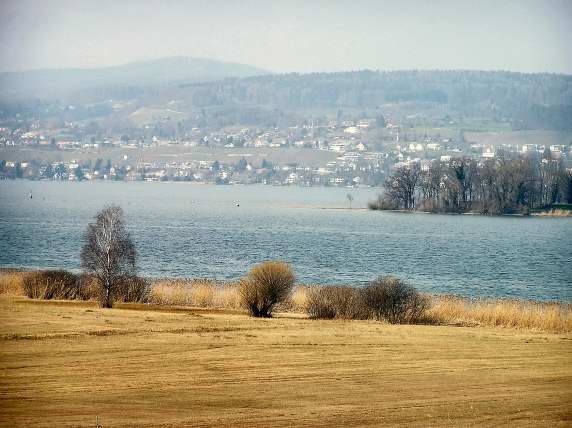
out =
column 489, row 153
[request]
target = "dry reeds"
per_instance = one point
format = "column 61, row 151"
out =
column 327, row 302
column 195, row 292
column 537, row 316
column 297, row 300
column 12, row 282
column 556, row 212
column 319, row 301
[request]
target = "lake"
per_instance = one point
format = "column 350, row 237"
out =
column 191, row 230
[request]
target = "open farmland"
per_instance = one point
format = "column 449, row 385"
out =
column 65, row 363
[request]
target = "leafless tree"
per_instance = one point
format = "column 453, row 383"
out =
column 108, row 252
column 507, row 184
column 460, row 174
column 350, row 199
column 400, row 188
column 432, row 184
column 566, row 178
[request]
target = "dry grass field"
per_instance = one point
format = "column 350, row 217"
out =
column 63, row 363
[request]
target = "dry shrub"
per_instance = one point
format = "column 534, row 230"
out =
column 318, row 305
column 51, row 284
column 132, row 289
column 382, row 203
column 89, row 287
column 392, row 300
column 328, row 302
column 11, row 282
column 127, row 289
column 539, row 316
column 266, row 285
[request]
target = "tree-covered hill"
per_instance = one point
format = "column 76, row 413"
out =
column 237, row 94
column 533, row 100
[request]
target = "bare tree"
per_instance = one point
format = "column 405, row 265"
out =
column 566, row 178
column 459, row 184
column 108, row 252
column 507, row 184
column 350, row 199
column 400, row 188
column 432, row 184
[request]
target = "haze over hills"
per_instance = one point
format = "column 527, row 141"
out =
column 56, row 83
column 182, row 91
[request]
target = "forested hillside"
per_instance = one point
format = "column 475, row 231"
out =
column 524, row 101
column 530, row 100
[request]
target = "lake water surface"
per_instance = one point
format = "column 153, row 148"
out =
column 189, row 230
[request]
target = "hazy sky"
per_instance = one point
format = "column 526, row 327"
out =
column 291, row 35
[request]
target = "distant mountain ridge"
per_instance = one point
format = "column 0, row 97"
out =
column 171, row 70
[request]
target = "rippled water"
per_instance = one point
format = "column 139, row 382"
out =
column 197, row 230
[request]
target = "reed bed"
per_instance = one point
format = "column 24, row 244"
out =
column 205, row 293
column 12, row 282
column 208, row 293
column 557, row 212
column 298, row 300
column 443, row 310
column 520, row 314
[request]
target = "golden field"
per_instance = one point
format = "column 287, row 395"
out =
column 64, row 363
column 192, row 357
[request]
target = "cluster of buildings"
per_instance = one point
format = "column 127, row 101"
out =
column 363, row 152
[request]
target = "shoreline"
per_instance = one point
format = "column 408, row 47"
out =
column 158, row 279
column 215, row 296
column 551, row 213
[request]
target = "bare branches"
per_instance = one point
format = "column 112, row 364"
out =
column 108, row 251
column 497, row 186
column 266, row 285
column 400, row 189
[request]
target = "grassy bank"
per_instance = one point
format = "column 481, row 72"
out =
column 64, row 363
column 443, row 310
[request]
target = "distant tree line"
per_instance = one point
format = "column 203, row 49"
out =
column 527, row 101
column 497, row 186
